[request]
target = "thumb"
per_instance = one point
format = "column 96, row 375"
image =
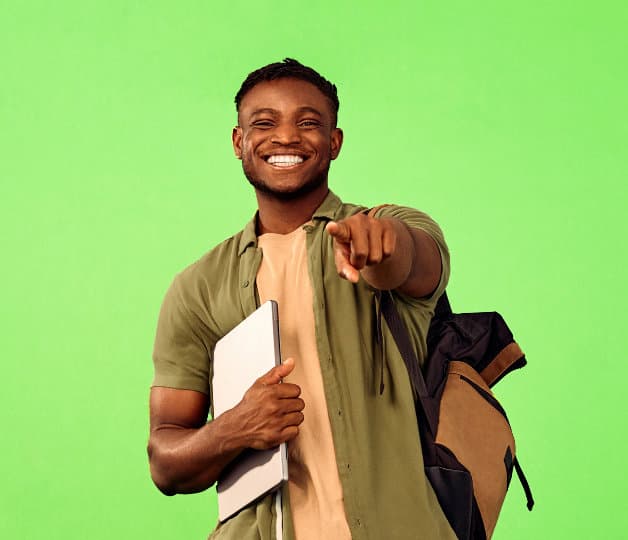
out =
column 277, row 373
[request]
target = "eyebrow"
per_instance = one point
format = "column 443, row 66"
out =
column 310, row 110
column 265, row 110
column 275, row 112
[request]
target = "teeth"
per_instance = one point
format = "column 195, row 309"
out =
column 285, row 160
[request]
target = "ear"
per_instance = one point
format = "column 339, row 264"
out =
column 336, row 142
column 236, row 140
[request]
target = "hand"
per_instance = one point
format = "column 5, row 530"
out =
column 270, row 411
column 361, row 241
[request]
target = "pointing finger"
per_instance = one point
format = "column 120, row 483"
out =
column 339, row 230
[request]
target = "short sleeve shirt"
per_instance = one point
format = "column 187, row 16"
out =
column 376, row 440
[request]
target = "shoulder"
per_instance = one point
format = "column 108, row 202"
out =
column 208, row 270
column 206, row 291
column 413, row 218
column 410, row 216
column 348, row 209
column 220, row 254
column 405, row 213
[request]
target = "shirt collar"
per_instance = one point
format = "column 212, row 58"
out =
column 326, row 211
column 329, row 207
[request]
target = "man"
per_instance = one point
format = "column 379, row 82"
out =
column 345, row 406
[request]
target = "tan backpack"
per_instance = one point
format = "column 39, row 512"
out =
column 467, row 444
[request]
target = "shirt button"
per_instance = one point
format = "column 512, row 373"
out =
column 245, row 283
column 358, row 522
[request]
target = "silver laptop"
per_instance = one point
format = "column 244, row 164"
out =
column 242, row 356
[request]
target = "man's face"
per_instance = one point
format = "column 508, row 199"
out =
column 286, row 138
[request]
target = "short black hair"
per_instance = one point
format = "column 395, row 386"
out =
column 293, row 69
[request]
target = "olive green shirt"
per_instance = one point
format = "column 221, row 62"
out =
column 376, row 440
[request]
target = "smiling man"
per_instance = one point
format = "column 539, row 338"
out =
column 345, row 406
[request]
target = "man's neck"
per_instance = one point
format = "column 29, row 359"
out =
column 284, row 216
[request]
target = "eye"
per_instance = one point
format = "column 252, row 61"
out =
column 309, row 123
column 262, row 124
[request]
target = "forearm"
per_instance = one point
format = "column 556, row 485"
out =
column 187, row 455
column 414, row 267
column 187, row 460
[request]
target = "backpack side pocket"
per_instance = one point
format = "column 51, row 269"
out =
column 474, row 426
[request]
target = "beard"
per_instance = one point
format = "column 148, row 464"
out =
column 307, row 187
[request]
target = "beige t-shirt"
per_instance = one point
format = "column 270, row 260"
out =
column 316, row 498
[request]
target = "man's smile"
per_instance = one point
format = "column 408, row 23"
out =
column 283, row 161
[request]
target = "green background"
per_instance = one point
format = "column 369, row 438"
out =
column 506, row 121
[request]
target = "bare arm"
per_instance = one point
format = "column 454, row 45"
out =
column 187, row 455
column 388, row 254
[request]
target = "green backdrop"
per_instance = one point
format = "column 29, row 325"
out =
column 506, row 121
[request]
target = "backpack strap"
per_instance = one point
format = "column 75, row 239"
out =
column 404, row 344
column 524, row 484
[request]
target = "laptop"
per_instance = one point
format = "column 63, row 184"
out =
column 240, row 357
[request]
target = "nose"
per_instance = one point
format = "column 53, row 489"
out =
column 285, row 134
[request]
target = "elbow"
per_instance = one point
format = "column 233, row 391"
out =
column 159, row 471
column 162, row 483
column 166, row 490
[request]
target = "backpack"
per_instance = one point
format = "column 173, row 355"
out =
column 467, row 444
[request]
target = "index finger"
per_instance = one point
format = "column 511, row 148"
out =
column 287, row 391
column 339, row 230
column 274, row 375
